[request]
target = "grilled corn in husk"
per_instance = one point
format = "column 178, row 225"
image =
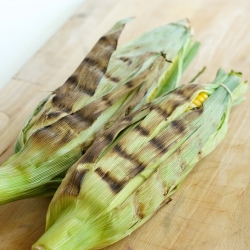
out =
column 107, row 85
column 134, row 167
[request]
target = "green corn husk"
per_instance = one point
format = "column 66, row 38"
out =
column 107, row 85
column 135, row 166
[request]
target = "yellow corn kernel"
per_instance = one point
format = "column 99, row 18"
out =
column 200, row 98
column 198, row 101
column 204, row 95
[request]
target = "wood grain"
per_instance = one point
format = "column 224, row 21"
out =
column 211, row 209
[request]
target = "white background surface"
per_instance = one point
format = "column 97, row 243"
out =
column 25, row 25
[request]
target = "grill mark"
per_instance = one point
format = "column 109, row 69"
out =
column 113, row 78
column 74, row 122
column 73, row 186
column 72, row 80
column 161, row 111
column 130, row 84
column 142, row 130
column 181, row 92
column 89, row 157
column 53, row 114
column 187, row 91
column 158, row 144
column 65, row 108
column 97, row 147
column 108, row 41
column 115, row 185
column 60, row 132
column 82, row 116
column 125, row 59
column 178, row 125
column 139, row 166
column 94, row 69
column 103, row 39
column 67, row 137
column 123, row 153
column 107, row 100
column 128, row 111
column 58, row 101
column 176, row 104
column 89, row 90
column 135, row 171
column 91, row 62
column 109, row 137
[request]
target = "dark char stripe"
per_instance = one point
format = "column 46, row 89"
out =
column 178, row 125
column 157, row 143
column 161, row 111
column 123, row 153
column 142, row 130
column 125, row 59
column 107, row 100
column 139, row 166
column 114, row 79
column 89, row 90
column 74, row 185
column 73, row 80
column 114, row 184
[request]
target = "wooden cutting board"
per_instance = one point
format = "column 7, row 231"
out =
column 211, row 209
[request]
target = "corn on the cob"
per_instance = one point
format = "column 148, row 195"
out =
column 65, row 124
column 135, row 166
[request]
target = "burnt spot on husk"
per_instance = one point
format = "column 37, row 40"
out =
column 137, row 165
column 118, row 149
column 164, row 55
column 136, row 170
column 187, row 91
column 178, row 125
column 67, row 137
column 73, row 186
column 114, row 79
column 143, row 131
column 88, row 90
column 115, row 185
column 72, row 80
column 125, row 59
column 59, row 101
column 159, row 144
column 86, row 117
column 103, row 39
column 140, row 211
column 89, row 157
column 128, row 111
column 177, row 104
column 90, row 62
column 107, row 100
column 53, row 114
column 130, row 84
column 161, row 111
